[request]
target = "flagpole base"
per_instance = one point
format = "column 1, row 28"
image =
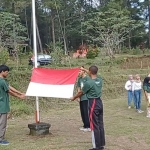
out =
column 39, row 128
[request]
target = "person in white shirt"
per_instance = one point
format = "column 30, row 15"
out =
column 128, row 87
column 137, row 92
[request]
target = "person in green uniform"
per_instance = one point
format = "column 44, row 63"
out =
column 93, row 90
column 83, row 78
column 5, row 90
column 146, row 88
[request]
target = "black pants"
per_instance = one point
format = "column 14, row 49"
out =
column 84, row 113
column 96, row 122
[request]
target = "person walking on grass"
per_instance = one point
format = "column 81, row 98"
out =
column 128, row 87
column 93, row 89
column 137, row 92
column 5, row 90
column 83, row 78
column 146, row 88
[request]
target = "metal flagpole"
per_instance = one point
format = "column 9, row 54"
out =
column 35, row 55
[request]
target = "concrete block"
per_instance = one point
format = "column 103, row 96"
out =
column 39, row 128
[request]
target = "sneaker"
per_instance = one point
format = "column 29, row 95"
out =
column 89, row 129
column 140, row 111
column 129, row 107
column 86, row 129
column 82, row 128
column 4, row 142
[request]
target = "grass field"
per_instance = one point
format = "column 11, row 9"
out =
column 125, row 128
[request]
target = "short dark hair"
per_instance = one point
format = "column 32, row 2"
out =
column 3, row 68
column 93, row 69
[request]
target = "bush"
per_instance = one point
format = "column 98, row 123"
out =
column 136, row 51
column 92, row 53
column 125, row 50
column 4, row 55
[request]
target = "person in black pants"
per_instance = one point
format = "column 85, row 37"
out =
column 83, row 101
column 93, row 89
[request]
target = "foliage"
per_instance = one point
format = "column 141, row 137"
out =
column 18, row 107
column 12, row 31
column 136, row 51
column 109, row 27
column 92, row 53
column 133, row 51
column 51, row 46
column 63, row 21
column 67, row 21
column 57, row 55
column 59, row 59
column 125, row 50
column 4, row 55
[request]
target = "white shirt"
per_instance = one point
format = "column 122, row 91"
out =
column 136, row 86
column 128, row 85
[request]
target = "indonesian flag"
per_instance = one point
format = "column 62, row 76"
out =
column 52, row 83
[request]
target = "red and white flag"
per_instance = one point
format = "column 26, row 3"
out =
column 52, row 83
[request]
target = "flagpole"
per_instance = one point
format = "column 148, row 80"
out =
column 35, row 55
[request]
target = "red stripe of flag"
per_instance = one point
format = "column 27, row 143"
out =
column 54, row 77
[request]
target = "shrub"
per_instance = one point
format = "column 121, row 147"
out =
column 125, row 50
column 4, row 55
column 136, row 51
column 92, row 53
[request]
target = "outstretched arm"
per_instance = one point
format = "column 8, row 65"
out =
column 21, row 96
column 15, row 90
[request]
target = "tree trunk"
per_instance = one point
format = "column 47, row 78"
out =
column 39, row 39
column 149, row 25
column 27, row 22
column 53, row 30
column 64, row 36
column 129, row 40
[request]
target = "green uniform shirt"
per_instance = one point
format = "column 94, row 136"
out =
column 93, row 88
column 81, row 82
column 146, row 88
column 4, row 96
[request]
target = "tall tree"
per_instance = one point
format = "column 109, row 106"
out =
column 11, row 29
column 147, row 4
column 109, row 26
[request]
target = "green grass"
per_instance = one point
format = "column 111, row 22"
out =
column 125, row 129
column 114, row 78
